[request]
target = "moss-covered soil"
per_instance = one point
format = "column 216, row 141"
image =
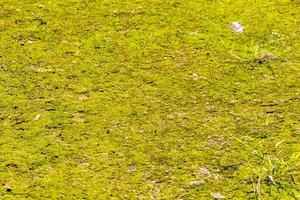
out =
column 154, row 99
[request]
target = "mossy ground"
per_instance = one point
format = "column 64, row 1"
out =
column 128, row 99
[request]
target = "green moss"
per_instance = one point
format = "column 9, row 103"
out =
column 135, row 98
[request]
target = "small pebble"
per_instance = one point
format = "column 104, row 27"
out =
column 217, row 196
column 236, row 27
column 8, row 189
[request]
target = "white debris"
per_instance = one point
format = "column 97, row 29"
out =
column 83, row 98
column 40, row 6
column 276, row 34
column 272, row 180
column 194, row 33
column 131, row 169
column 199, row 182
column 236, row 27
column 37, row 117
column 217, row 196
column 204, row 171
column 195, row 76
column 278, row 143
column 31, row 40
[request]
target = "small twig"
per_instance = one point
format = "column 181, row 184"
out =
column 256, row 188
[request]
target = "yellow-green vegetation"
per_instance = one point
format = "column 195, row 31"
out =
column 153, row 99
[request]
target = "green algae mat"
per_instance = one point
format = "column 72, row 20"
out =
column 132, row 99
